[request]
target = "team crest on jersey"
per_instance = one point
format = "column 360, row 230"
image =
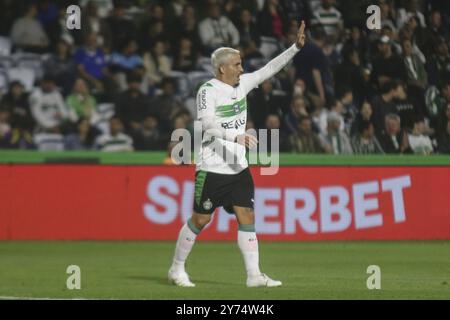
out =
column 236, row 108
column 207, row 204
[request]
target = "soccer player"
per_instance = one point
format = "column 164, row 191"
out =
column 222, row 109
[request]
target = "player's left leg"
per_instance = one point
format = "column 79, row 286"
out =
column 248, row 244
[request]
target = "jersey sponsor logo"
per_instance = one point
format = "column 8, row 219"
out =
column 236, row 108
column 202, row 102
column 236, row 124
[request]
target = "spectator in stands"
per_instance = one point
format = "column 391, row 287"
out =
column 249, row 35
column 305, row 140
column 335, row 139
column 356, row 42
column 115, row 140
column 418, row 142
column 439, row 64
column 412, row 33
column 15, row 101
column 383, row 104
column 321, row 116
column 233, row 8
column 436, row 100
column 122, row 28
column 313, row 67
column 154, row 25
column 28, row 34
column 364, row 115
column 61, row 66
column 153, row 33
column 387, row 13
column 166, row 105
column 84, row 138
column 365, row 141
column 412, row 9
column 442, row 127
column 405, row 106
column 331, row 20
column 416, row 76
column 345, row 98
column 388, row 66
column 217, row 30
column 81, row 102
column 187, row 27
column 92, row 22
column 148, row 136
column 263, row 101
column 398, row 84
column 185, row 58
column 127, row 59
column 393, row 139
column 296, row 9
column 48, row 107
column 444, row 140
column 5, row 128
column 273, row 123
column 20, row 139
column 434, row 31
column 298, row 110
column 91, row 63
column 48, row 15
column 271, row 19
column 157, row 63
column 105, row 7
column 132, row 105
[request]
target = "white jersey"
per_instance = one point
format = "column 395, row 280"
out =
column 222, row 109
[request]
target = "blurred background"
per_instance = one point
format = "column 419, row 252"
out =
column 78, row 107
column 129, row 76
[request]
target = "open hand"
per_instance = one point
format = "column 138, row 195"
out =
column 247, row 140
column 301, row 36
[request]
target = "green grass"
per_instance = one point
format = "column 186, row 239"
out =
column 156, row 158
column 309, row 270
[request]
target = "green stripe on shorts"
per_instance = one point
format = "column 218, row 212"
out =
column 199, row 182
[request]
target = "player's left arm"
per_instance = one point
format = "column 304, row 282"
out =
column 252, row 80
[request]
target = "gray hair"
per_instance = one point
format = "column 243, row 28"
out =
column 333, row 116
column 392, row 116
column 220, row 56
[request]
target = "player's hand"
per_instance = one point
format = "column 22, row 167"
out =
column 301, row 36
column 247, row 140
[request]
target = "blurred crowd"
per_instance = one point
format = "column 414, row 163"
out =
column 128, row 77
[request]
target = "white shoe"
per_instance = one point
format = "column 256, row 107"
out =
column 262, row 281
column 180, row 279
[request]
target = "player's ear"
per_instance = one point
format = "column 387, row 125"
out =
column 221, row 70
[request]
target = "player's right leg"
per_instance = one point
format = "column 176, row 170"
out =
column 186, row 239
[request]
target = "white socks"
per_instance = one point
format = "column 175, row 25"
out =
column 185, row 242
column 248, row 243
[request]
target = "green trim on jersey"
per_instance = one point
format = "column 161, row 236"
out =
column 199, row 182
column 206, row 84
column 230, row 110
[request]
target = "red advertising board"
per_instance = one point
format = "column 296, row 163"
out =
column 49, row 202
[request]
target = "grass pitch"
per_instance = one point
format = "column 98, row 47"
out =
column 309, row 270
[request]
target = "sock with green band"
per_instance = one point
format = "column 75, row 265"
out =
column 248, row 243
column 185, row 242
